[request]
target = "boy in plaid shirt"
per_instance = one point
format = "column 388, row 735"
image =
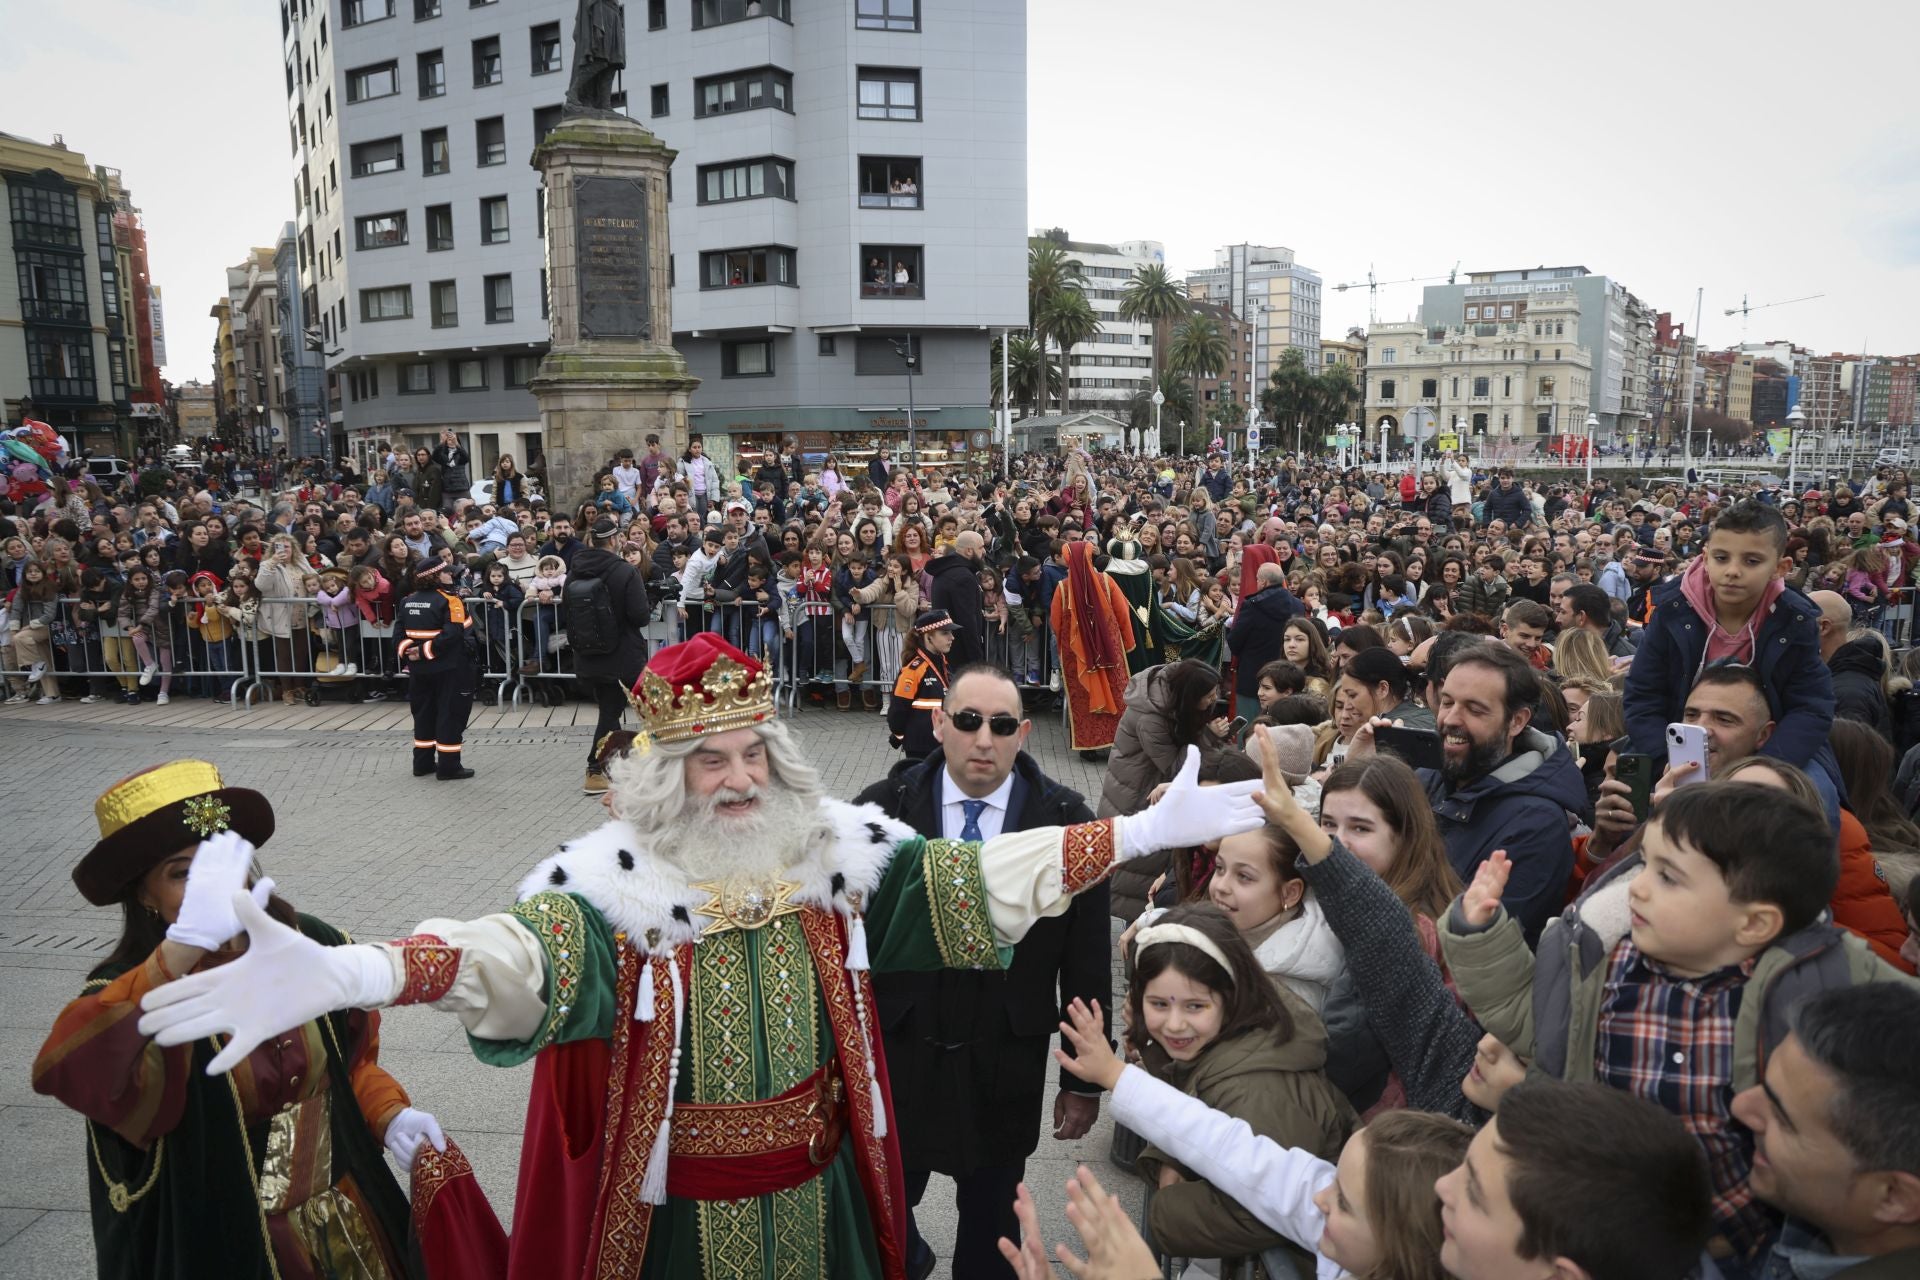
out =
column 1726, row 903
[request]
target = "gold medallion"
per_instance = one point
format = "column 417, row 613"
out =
column 743, row 902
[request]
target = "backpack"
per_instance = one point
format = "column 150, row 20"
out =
column 586, row 610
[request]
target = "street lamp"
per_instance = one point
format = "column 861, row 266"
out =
column 1593, row 425
column 911, row 358
column 1183, row 437
column 1159, row 398
column 260, row 428
column 1796, row 420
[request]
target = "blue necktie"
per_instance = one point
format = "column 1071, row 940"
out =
column 970, row 829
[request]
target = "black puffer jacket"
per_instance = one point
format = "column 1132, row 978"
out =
column 630, row 608
column 1858, row 670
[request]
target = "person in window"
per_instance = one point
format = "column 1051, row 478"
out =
column 900, row 277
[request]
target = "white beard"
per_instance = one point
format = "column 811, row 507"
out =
column 707, row 845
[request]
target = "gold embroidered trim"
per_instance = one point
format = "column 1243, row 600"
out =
column 720, row 1028
column 957, row 905
column 557, row 920
column 1086, row 854
column 789, row 1005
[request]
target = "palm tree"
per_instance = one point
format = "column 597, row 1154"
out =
column 1025, row 362
column 1051, row 274
column 1291, row 395
column 1150, row 297
column 1198, row 347
column 1069, row 320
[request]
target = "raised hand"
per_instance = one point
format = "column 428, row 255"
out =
column 1276, row 801
column 1190, row 815
column 1028, row 1258
column 1481, row 902
column 285, row 979
column 219, row 870
column 1115, row 1250
column 1092, row 1058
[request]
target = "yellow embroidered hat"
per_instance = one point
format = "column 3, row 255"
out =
column 157, row 812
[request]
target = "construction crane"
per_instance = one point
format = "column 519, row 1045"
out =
column 1743, row 309
column 1374, row 286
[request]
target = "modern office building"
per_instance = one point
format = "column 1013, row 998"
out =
column 850, row 189
column 1617, row 331
column 1263, row 285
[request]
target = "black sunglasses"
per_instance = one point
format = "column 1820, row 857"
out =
column 1002, row 724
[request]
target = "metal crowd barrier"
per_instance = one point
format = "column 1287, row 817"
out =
column 106, row 656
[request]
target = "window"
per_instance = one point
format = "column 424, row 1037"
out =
column 1506, row 385
column 380, row 230
column 544, row 313
column 1386, row 390
column 44, row 216
column 1546, row 386
column 743, row 91
column 467, row 375
column 884, row 357
column 746, row 180
column 363, row 384
column 889, row 182
column 499, row 298
column 417, row 378
column 425, row 9
column 540, row 212
column 887, row 15
column 490, row 141
column 59, row 366
column 660, row 100
column 392, row 303
column 381, row 80
column 1506, row 311
column 826, row 347
column 1543, row 423
column 486, row 62
column 1483, row 387
column 545, row 48
column 889, row 94
column 520, row 370
column 544, row 119
column 891, row 271
column 383, row 155
column 493, row 220
column 439, row 227
column 736, row 268
column 1389, row 355
column 431, row 69
column 746, row 359
column 713, row 13
column 1429, row 387
column 438, row 155
column 1473, row 313
column 656, row 14
column 1479, row 424
column 53, row 287
column 446, row 303
column 355, row 12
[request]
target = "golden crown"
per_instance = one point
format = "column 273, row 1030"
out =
column 728, row 696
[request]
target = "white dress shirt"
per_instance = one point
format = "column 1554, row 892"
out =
column 993, row 818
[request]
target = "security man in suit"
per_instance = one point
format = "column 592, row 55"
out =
column 968, row 1051
column 433, row 624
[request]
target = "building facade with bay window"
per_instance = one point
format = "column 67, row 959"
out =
column 849, row 197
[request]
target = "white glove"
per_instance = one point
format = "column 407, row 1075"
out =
column 284, row 980
column 1189, row 814
column 405, row 1133
column 219, row 871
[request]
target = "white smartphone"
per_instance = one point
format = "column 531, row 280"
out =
column 1687, row 744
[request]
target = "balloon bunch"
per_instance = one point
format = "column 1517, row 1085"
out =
column 33, row 455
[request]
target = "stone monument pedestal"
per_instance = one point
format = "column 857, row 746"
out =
column 612, row 375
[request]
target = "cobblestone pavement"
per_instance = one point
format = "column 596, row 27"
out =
column 363, row 844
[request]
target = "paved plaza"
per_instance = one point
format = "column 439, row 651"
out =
column 364, row 845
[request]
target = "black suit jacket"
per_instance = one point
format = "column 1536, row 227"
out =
column 967, row 1051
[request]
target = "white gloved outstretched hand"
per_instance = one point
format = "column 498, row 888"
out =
column 219, row 870
column 1189, row 814
column 285, row 979
column 405, row 1133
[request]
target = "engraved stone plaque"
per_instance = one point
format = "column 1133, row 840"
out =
column 610, row 221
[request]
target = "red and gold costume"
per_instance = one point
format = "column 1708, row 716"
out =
column 1093, row 625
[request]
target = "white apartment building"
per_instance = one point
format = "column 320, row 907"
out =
column 1104, row 374
column 1263, row 285
column 850, row 189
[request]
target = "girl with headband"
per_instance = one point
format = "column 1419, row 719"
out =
column 1207, row 1020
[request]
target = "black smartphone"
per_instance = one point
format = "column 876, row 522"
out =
column 1636, row 770
column 1420, row 748
column 1236, row 728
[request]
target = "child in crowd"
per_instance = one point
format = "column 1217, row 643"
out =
column 29, row 630
column 340, row 616
column 1206, row 1019
column 1524, row 627
column 762, row 600
column 501, row 599
column 143, row 618
column 855, row 575
column 696, row 579
column 813, row 588
column 546, row 588
column 1726, row 902
column 215, row 630
column 1278, row 679
column 1731, row 606
column 173, row 620
column 1216, row 606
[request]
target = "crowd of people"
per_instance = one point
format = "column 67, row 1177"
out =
column 1580, row 935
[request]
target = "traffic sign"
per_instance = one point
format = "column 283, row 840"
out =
column 1253, row 437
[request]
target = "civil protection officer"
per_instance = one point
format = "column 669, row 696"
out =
column 433, row 624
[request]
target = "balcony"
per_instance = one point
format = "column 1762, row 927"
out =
column 51, row 311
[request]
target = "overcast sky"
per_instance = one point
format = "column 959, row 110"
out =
column 1767, row 148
